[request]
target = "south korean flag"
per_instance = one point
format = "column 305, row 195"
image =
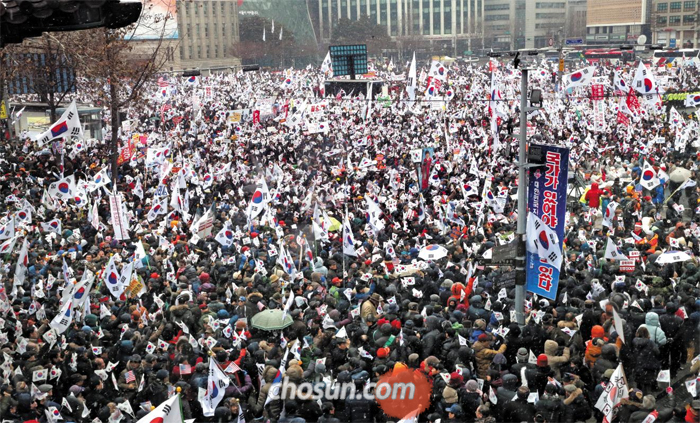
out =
column 543, row 241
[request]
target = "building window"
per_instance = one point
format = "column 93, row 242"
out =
column 674, row 20
column 189, row 52
column 490, row 7
column 550, row 5
column 550, row 15
column 223, row 29
column 182, row 52
column 688, row 19
column 662, row 7
column 206, row 30
column 675, row 6
column 189, row 30
column 661, row 20
column 688, row 5
column 491, row 18
column 199, row 52
column 198, row 30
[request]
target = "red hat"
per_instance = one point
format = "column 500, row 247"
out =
column 154, row 275
column 383, row 352
column 483, row 337
column 542, row 360
column 336, row 281
column 396, row 324
column 368, row 262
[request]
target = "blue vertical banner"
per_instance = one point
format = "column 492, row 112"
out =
column 547, row 200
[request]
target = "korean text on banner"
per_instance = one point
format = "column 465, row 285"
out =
column 547, row 200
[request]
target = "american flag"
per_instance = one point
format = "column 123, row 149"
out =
column 163, row 82
column 185, row 369
column 130, row 376
column 164, row 108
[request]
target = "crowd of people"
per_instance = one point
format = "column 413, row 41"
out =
column 99, row 326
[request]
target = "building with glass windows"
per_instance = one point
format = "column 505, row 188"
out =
column 674, row 23
column 454, row 23
column 617, row 22
column 207, row 30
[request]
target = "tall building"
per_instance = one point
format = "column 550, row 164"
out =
column 616, row 22
column 504, row 24
column 674, row 23
column 517, row 24
column 207, row 31
column 458, row 23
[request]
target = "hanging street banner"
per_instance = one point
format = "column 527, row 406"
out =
column 547, row 201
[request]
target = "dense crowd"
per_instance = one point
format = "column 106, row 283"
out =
column 200, row 149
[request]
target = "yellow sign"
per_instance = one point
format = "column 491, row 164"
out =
column 561, row 65
column 3, row 110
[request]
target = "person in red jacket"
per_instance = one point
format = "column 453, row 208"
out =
column 458, row 288
column 593, row 196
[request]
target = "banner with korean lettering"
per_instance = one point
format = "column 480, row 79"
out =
column 547, row 200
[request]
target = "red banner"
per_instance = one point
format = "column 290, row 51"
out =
column 597, row 92
column 623, row 119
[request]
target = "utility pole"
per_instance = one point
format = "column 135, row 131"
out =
column 521, row 275
column 561, row 60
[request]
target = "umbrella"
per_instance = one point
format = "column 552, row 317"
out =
column 672, row 257
column 679, row 175
column 335, row 224
column 432, row 252
column 271, row 320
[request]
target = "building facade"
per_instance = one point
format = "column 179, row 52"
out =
column 459, row 23
column 616, row 22
column 674, row 23
column 207, row 31
column 518, row 24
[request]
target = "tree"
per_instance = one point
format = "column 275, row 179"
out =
column 45, row 66
column 252, row 49
column 116, row 64
column 362, row 31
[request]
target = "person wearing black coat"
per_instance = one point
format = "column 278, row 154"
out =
column 673, row 352
column 537, row 379
column 506, row 393
column 648, row 364
column 550, row 405
column 519, row 410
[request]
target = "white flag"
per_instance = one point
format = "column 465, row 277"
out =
column 169, row 411
column 644, row 82
column 543, row 241
column 216, row 388
column 52, row 226
column 612, row 252
column 64, row 188
column 99, row 180
column 348, row 239
column 649, row 179
column 609, row 214
column 580, row 78
column 67, row 126
column 63, row 319
column 614, row 392
column 112, row 279
column 261, row 197
column 7, row 230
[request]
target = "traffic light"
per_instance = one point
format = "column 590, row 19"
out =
column 21, row 19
